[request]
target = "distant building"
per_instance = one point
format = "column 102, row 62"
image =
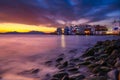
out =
column 100, row 30
column 66, row 30
column 116, row 26
column 59, row 31
column 83, row 29
column 71, row 30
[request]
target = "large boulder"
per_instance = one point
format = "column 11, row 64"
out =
column 113, row 74
column 96, row 78
column 76, row 77
column 60, row 75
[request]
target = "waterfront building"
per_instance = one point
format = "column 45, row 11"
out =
column 100, row 30
column 66, row 30
column 59, row 31
column 71, row 30
column 116, row 26
column 81, row 29
column 85, row 29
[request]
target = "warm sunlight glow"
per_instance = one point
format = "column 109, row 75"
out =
column 10, row 27
column 63, row 44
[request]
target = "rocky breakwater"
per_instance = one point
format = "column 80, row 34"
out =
column 100, row 62
column 104, row 60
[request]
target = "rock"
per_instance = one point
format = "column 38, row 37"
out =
column 48, row 63
column 54, row 79
column 101, row 62
column 75, row 60
column 104, row 69
column 99, row 43
column 73, row 70
column 89, row 58
column 101, row 70
column 96, row 69
column 117, row 64
column 85, row 63
column 109, row 49
column 71, row 65
column 114, row 52
column 103, row 55
column 34, row 71
column 59, row 59
column 97, row 78
column 100, row 59
column 63, row 65
column 60, row 75
column 93, row 65
column 65, row 78
column 47, row 76
column 61, row 55
column 113, row 74
column 89, row 52
column 76, row 77
column 107, row 42
column 73, row 51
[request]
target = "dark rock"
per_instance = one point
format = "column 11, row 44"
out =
column 99, row 43
column 71, row 65
column 103, row 55
column 104, row 69
column 93, row 65
column 61, row 55
column 73, row 51
column 76, row 77
column 35, row 71
column 101, row 62
column 109, row 49
column 96, row 69
column 89, row 52
column 48, row 63
column 85, row 63
column 97, row 78
column 113, row 74
column 117, row 64
column 73, row 70
column 65, row 78
column 54, row 79
column 89, row 58
column 59, row 59
column 32, row 71
column 63, row 65
column 60, row 75
column 75, row 60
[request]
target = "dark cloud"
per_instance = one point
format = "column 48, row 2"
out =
column 48, row 12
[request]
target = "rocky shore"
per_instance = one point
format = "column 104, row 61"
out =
column 100, row 62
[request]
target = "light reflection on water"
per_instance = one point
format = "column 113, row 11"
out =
column 24, row 52
column 63, row 44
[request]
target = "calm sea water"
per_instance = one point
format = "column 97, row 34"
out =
column 24, row 52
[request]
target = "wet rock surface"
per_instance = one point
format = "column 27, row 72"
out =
column 102, row 61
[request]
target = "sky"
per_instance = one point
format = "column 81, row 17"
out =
column 46, row 15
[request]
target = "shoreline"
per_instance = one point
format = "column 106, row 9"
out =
column 97, row 63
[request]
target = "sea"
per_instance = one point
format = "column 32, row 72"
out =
column 21, row 53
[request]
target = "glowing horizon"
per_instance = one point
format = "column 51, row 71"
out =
column 16, row 27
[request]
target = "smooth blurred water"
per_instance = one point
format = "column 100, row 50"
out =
column 24, row 52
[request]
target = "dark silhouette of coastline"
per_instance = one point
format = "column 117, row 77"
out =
column 31, row 32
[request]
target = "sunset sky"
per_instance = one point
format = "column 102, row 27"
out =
column 46, row 15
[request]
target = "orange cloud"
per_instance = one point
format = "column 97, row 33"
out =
column 10, row 27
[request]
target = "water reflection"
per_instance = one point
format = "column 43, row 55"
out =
column 63, row 43
column 26, row 52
